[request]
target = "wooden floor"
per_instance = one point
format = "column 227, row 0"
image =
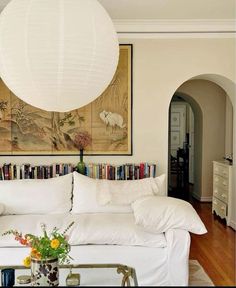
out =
column 215, row 251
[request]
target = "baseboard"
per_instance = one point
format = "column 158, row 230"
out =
column 232, row 224
column 202, row 199
column 206, row 199
column 196, row 196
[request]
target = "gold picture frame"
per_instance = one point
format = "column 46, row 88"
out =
column 27, row 130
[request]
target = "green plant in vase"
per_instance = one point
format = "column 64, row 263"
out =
column 82, row 140
column 47, row 251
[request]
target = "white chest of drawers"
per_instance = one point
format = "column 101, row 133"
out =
column 222, row 189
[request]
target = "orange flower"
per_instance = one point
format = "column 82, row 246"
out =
column 23, row 241
column 38, row 255
column 55, row 243
column 33, row 252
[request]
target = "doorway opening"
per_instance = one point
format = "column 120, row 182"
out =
column 200, row 133
column 212, row 100
column 181, row 148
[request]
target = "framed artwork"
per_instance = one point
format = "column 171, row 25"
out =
column 26, row 130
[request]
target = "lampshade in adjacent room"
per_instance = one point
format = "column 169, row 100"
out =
column 57, row 55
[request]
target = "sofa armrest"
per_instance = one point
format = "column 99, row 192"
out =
column 178, row 245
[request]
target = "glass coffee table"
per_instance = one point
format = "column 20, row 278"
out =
column 88, row 275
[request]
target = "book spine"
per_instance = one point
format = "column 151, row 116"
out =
column 141, row 171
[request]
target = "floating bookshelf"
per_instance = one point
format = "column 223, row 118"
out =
column 126, row 171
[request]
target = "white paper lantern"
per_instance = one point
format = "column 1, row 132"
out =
column 57, row 55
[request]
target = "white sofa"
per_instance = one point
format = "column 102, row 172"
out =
column 106, row 229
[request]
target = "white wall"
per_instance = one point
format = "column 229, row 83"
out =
column 160, row 67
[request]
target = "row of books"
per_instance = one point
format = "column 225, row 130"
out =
column 96, row 171
column 28, row 171
column 120, row 172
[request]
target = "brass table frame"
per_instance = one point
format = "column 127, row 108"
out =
column 128, row 272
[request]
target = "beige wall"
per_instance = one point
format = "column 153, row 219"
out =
column 229, row 128
column 212, row 101
column 160, row 66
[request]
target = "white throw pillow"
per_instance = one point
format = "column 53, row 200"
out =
column 114, row 196
column 125, row 192
column 161, row 184
column 159, row 214
column 2, row 208
column 85, row 196
column 37, row 196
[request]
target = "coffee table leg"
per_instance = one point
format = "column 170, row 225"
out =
column 127, row 273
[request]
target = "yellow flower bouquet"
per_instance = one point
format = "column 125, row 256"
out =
column 52, row 246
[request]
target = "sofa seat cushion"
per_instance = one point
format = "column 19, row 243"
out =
column 97, row 228
column 30, row 224
column 112, row 228
column 37, row 196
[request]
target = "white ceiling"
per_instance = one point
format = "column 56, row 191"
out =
column 166, row 9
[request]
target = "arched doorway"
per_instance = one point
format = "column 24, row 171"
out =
column 229, row 89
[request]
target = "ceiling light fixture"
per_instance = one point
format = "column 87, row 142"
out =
column 57, row 55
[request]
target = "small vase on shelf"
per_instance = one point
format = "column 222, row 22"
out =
column 82, row 140
column 80, row 168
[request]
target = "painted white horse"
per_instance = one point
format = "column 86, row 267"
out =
column 112, row 119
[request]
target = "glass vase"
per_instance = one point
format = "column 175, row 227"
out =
column 44, row 272
column 80, row 168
